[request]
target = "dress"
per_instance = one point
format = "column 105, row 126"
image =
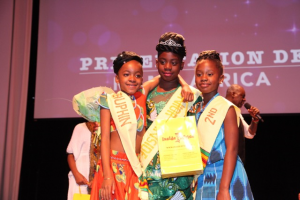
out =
column 79, row 146
column 168, row 188
column 209, row 181
column 126, row 181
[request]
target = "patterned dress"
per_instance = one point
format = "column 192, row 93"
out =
column 168, row 188
column 209, row 181
column 126, row 181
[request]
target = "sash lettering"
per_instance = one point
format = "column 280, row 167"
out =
column 211, row 114
column 210, row 123
column 122, row 110
column 123, row 114
column 174, row 108
column 149, row 143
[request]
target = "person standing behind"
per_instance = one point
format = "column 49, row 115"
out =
column 236, row 94
column 82, row 158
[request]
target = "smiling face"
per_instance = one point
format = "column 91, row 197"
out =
column 208, row 77
column 130, row 77
column 169, row 66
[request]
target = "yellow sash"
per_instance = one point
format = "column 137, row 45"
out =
column 211, row 121
column 150, row 141
column 123, row 114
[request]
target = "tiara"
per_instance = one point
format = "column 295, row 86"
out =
column 171, row 43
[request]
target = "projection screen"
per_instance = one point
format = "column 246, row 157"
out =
column 259, row 43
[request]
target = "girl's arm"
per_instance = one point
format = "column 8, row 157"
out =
column 186, row 91
column 231, row 142
column 79, row 178
column 108, row 185
column 150, row 85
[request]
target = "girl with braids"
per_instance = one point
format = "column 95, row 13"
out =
column 171, row 51
column 224, row 176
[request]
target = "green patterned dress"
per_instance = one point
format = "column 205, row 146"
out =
column 168, row 188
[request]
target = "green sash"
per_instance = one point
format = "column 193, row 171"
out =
column 174, row 108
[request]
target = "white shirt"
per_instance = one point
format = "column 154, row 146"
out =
column 79, row 146
column 246, row 128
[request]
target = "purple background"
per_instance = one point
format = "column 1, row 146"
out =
column 70, row 30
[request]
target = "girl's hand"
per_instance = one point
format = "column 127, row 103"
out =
column 91, row 184
column 108, row 188
column 223, row 194
column 96, row 126
column 80, row 179
column 187, row 93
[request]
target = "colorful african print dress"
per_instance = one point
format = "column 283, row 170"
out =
column 209, row 181
column 168, row 188
column 126, row 181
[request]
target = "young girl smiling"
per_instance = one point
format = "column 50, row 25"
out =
column 224, row 176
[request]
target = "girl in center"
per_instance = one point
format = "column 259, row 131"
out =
column 123, row 117
column 170, row 53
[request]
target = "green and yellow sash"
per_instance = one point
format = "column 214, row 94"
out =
column 174, row 108
column 123, row 114
column 210, row 123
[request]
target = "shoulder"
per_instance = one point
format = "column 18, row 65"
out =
column 228, row 104
column 103, row 100
column 140, row 95
column 141, row 90
column 81, row 128
column 151, row 93
column 224, row 100
column 231, row 116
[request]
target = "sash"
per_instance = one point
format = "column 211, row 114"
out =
column 210, row 123
column 124, row 118
column 174, row 108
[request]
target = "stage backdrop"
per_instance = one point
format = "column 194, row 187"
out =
column 259, row 43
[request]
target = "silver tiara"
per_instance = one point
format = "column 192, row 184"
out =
column 171, row 43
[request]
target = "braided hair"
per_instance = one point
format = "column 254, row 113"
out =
column 125, row 57
column 180, row 50
column 213, row 56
